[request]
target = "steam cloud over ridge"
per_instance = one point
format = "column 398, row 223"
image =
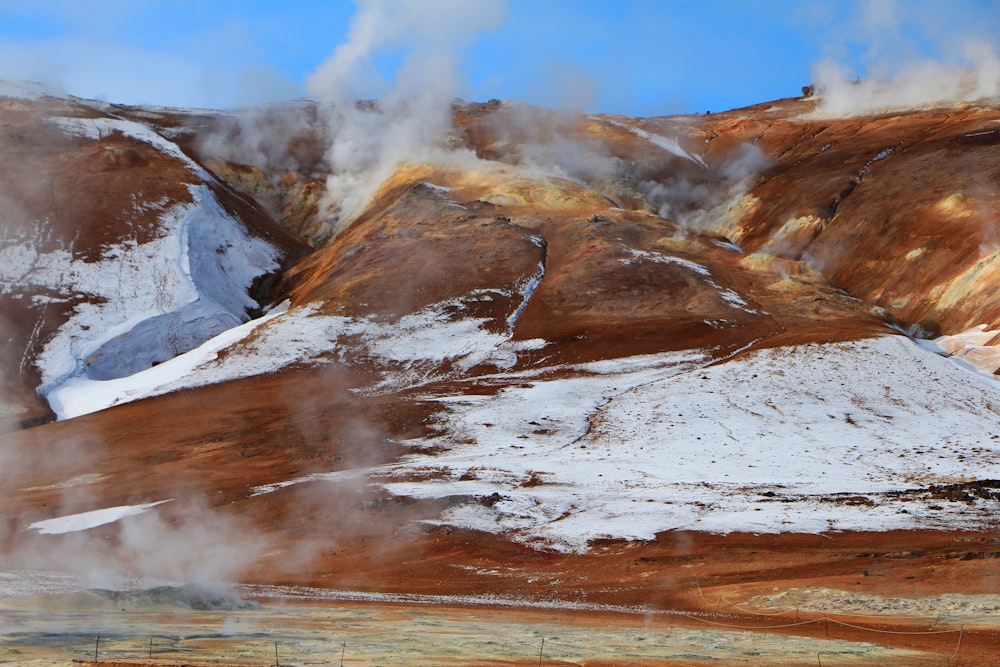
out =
column 963, row 66
column 412, row 112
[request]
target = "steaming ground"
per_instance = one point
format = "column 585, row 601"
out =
column 809, row 438
column 709, row 437
column 539, row 388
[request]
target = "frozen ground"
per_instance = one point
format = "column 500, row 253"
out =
column 800, row 439
column 140, row 303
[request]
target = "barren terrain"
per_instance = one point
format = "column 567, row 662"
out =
column 684, row 390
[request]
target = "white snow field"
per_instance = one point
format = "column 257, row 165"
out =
column 72, row 523
column 810, row 438
column 795, row 439
column 144, row 303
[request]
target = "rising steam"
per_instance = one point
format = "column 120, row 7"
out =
column 690, row 197
column 410, row 119
column 963, row 65
column 922, row 83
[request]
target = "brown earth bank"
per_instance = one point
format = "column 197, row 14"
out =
column 895, row 208
column 274, row 480
column 210, row 447
column 702, row 580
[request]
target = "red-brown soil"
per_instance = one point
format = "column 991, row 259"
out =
column 209, row 449
column 346, row 536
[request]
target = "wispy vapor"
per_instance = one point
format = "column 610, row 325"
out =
column 912, row 54
column 412, row 115
column 691, row 197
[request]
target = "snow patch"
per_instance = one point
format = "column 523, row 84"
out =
column 666, row 259
column 878, row 158
column 352, row 475
column 727, row 295
column 409, row 352
column 672, row 146
column 72, row 523
column 526, row 289
column 729, row 245
column 437, row 188
column 81, row 395
column 99, row 128
column 145, row 303
column 972, row 347
column 802, row 439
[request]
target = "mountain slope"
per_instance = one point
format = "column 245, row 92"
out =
column 119, row 252
column 583, row 354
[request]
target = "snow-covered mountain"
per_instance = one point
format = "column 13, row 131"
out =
column 118, row 253
column 551, row 332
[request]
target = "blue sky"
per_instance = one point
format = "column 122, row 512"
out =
column 637, row 57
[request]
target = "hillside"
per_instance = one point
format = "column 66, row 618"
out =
column 552, row 358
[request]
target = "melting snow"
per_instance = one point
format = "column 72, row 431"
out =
column 729, row 245
column 352, row 475
column 810, row 438
column 140, row 304
column 804, row 439
column 98, row 128
column 527, row 289
column 81, row 395
column 666, row 259
column 881, row 156
column 148, row 302
column 410, row 352
column 972, row 347
column 72, row 523
column 727, row 295
column 672, row 146
column 983, row 133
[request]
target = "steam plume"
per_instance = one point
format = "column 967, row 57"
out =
column 691, row 197
column 897, row 72
column 410, row 120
